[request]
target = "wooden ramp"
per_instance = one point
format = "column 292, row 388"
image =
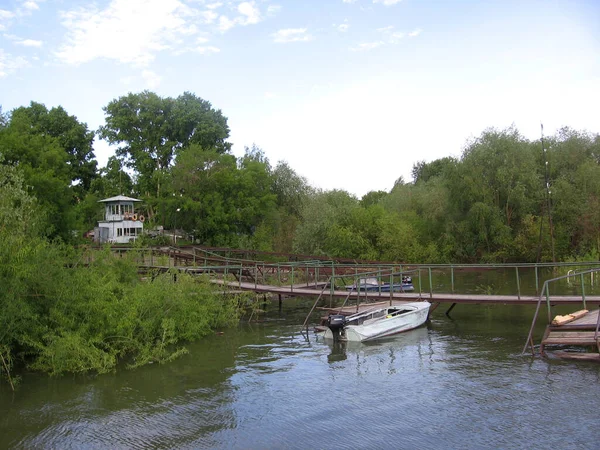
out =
column 581, row 332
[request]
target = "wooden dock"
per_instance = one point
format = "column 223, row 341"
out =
column 437, row 297
column 580, row 332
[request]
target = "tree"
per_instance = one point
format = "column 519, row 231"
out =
column 292, row 192
column 44, row 165
column 72, row 136
column 223, row 200
column 151, row 130
column 423, row 172
column 321, row 212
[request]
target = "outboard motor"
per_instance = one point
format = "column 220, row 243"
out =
column 336, row 323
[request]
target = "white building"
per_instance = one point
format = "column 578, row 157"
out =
column 121, row 223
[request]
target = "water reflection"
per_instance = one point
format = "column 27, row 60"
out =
column 458, row 383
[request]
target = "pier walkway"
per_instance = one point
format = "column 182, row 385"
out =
column 437, row 297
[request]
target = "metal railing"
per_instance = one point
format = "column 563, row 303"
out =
column 546, row 294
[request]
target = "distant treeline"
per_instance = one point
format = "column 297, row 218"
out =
column 506, row 199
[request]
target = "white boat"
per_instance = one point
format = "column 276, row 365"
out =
column 377, row 322
column 373, row 285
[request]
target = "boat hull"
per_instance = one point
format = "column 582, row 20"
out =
column 384, row 326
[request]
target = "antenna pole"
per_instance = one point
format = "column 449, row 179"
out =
column 548, row 193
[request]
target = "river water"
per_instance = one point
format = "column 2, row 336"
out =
column 457, row 383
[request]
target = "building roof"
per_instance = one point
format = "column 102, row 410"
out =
column 119, row 198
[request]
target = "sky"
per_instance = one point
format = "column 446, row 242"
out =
column 350, row 93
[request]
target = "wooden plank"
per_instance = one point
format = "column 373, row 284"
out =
column 558, row 334
column 581, row 356
column 575, row 338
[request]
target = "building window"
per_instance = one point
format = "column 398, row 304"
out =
column 119, row 232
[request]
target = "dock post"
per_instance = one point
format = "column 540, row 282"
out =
column 332, row 284
column 292, row 286
column 280, row 303
column 583, row 291
column 430, row 284
column 537, row 280
column 450, row 309
column 452, row 279
column 518, row 283
column 391, row 288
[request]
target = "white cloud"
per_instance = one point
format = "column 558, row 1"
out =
column 415, row 32
column 31, row 5
column 207, row 50
column 387, row 2
column 250, row 11
column 5, row 17
column 343, row 27
column 151, row 79
column 24, row 42
column 349, row 1
column 29, row 43
column 291, row 35
column 387, row 29
column 208, row 16
column 129, row 31
column 366, row 46
column 4, row 14
column 249, row 14
column 214, row 5
column 273, row 9
column 10, row 63
column 225, row 24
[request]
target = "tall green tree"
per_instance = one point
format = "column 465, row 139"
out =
column 222, row 200
column 31, row 141
column 72, row 136
column 150, row 130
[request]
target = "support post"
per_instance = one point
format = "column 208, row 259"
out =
column 450, row 309
column 518, row 283
column 430, row 284
column 583, row 292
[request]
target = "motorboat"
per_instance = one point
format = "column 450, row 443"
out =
column 377, row 322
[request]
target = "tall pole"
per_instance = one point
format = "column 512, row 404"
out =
column 548, row 198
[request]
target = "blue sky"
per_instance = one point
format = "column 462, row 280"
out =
column 351, row 93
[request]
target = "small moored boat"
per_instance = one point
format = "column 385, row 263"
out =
column 377, row 322
column 373, row 285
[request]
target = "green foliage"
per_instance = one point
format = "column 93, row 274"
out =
column 67, row 310
column 54, row 154
column 226, row 201
column 150, row 131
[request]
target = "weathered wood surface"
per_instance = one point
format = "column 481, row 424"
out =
column 579, row 356
column 571, row 338
column 410, row 296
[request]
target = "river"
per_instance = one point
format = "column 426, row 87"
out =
column 459, row 382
